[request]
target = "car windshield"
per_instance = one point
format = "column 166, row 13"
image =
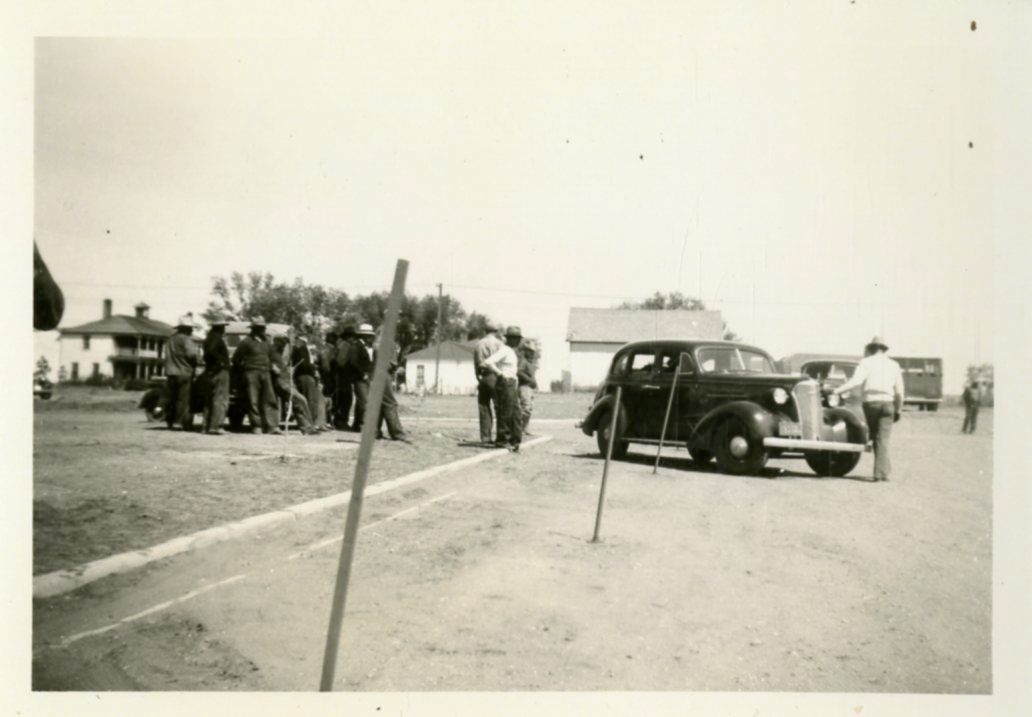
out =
column 732, row 359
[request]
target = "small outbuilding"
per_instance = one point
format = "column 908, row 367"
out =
column 456, row 369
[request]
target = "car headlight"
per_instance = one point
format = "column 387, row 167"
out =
column 780, row 396
column 834, row 400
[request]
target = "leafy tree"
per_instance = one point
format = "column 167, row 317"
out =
column 675, row 301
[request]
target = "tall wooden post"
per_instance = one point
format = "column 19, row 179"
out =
column 365, row 452
column 437, row 339
column 609, row 457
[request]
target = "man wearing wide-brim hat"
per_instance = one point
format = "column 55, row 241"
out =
column 882, row 381
column 216, row 369
column 252, row 360
column 487, row 381
column 360, row 370
column 180, row 361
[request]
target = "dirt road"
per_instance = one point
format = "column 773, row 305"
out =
column 485, row 579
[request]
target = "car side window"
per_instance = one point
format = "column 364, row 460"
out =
column 670, row 360
column 642, row 363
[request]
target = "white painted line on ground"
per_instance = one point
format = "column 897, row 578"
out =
column 62, row 581
column 156, row 608
column 201, row 590
column 333, row 541
column 442, row 419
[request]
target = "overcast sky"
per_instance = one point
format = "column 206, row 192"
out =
column 817, row 186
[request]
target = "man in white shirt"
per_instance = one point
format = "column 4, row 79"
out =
column 504, row 364
column 882, row 381
column 486, row 382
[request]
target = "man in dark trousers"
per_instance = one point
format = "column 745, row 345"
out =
column 360, row 365
column 389, row 405
column 252, row 358
column 216, row 366
column 972, row 402
column 487, row 382
column 307, row 381
column 504, row 364
column 344, row 379
column 180, row 360
column 327, row 374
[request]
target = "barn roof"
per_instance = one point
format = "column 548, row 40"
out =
column 623, row 325
column 120, row 325
column 450, row 351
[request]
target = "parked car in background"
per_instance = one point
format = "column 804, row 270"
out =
column 922, row 381
column 155, row 400
column 731, row 404
column 42, row 388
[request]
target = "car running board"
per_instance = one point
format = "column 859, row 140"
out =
column 801, row 445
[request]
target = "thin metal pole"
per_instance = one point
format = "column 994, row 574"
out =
column 365, row 452
column 437, row 339
column 666, row 418
column 609, row 457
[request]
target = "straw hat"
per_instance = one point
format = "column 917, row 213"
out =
column 877, row 343
column 365, row 330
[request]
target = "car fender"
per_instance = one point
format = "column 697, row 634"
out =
column 857, row 427
column 152, row 399
column 604, row 404
column 758, row 420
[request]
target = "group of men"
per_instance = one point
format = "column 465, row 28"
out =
column 505, row 386
column 274, row 374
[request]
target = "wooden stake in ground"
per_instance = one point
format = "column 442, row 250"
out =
column 609, row 457
column 666, row 418
column 365, row 452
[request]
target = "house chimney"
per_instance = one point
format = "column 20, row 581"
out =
column 107, row 308
column 141, row 310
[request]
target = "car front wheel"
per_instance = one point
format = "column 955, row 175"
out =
column 736, row 451
column 602, row 435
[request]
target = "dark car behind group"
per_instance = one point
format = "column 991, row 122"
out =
column 155, row 400
column 730, row 404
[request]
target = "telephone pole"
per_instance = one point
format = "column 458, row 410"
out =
column 437, row 338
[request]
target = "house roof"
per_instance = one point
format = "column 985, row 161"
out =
column 624, row 325
column 450, row 351
column 120, row 325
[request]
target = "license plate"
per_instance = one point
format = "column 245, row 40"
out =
column 790, row 429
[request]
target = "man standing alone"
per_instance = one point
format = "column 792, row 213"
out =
column 180, row 360
column 503, row 363
column 882, row 380
column 486, row 382
column 972, row 402
column 252, row 358
column 216, row 365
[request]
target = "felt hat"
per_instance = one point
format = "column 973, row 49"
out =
column 258, row 321
column 186, row 320
column 514, row 332
column 877, row 343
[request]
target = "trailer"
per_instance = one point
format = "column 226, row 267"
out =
column 922, row 381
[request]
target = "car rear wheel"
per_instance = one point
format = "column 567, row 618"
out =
column 602, row 435
column 736, row 451
column 700, row 455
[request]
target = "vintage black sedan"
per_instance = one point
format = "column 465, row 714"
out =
column 729, row 404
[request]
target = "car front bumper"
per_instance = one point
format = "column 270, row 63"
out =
column 801, row 445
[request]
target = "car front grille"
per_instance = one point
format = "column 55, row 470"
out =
column 807, row 396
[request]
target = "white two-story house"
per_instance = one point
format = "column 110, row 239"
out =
column 116, row 346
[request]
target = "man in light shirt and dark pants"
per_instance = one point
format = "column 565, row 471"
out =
column 882, row 381
column 486, row 382
column 504, row 364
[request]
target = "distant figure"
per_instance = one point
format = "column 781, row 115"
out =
column 180, row 360
column 307, row 382
column 216, row 365
column 882, row 380
column 360, row 370
column 487, row 382
column 389, row 405
column 503, row 363
column 283, row 385
column 344, row 379
column 327, row 374
column 972, row 402
column 252, row 359
column 47, row 299
column 527, row 384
